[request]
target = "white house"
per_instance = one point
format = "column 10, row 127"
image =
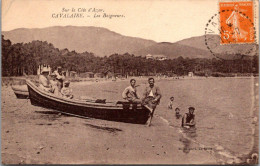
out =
column 149, row 56
column 156, row 57
column 190, row 74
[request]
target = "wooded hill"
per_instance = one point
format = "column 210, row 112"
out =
column 22, row 58
column 103, row 42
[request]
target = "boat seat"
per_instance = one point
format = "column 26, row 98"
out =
column 122, row 102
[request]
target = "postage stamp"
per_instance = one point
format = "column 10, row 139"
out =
column 236, row 22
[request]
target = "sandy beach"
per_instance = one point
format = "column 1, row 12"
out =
column 35, row 135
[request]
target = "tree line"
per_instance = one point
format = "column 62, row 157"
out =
column 24, row 58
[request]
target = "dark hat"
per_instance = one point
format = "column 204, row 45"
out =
column 66, row 82
column 191, row 108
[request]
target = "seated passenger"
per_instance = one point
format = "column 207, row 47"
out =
column 54, row 84
column 130, row 93
column 66, row 91
column 44, row 81
column 60, row 77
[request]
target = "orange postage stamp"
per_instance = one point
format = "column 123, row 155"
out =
column 236, row 22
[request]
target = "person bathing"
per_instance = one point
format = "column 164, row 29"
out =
column 188, row 120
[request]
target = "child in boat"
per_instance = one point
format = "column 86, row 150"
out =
column 170, row 105
column 66, row 91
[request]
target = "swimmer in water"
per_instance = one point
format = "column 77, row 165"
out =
column 188, row 120
column 170, row 105
column 177, row 113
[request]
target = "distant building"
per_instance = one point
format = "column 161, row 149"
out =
column 99, row 75
column 108, row 74
column 87, row 75
column 160, row 57
column 156, row 57
column 149, row 56
column 118, row 75
column 190, row 74
column 170, row 74
column 72, row 74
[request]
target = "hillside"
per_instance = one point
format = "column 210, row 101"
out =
column 103, row 42
column 213, row 42
column 100, row 41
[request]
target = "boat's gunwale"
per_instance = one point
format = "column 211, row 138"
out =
column 73, row 101
column 21, row 92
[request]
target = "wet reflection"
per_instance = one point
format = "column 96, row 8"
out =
column 186, row 136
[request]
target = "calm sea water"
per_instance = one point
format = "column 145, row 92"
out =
column 224, row 107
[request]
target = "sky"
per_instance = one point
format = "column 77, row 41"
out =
column 158, row 20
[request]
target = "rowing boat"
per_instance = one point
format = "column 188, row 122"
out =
column 113, row 111
column 21, row 91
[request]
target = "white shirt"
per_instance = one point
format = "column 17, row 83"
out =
column 151, row 94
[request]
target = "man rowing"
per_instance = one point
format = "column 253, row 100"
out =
column 151, row 98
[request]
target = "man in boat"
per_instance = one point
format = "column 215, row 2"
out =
column 130, row 93
column 188, row 120
column 59, row 77
column 151, row 98
column 44, row 81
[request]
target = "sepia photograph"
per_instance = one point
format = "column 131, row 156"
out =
column 130, row 82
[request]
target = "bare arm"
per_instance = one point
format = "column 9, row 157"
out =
column 184, row 120
column 193, row 122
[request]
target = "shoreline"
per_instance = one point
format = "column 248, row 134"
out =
column 21, row 80
column 103, row 124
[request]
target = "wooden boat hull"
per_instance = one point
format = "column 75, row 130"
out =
column 88, row 109
column 21, row 92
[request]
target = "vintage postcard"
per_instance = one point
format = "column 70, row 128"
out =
column 130, row 82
